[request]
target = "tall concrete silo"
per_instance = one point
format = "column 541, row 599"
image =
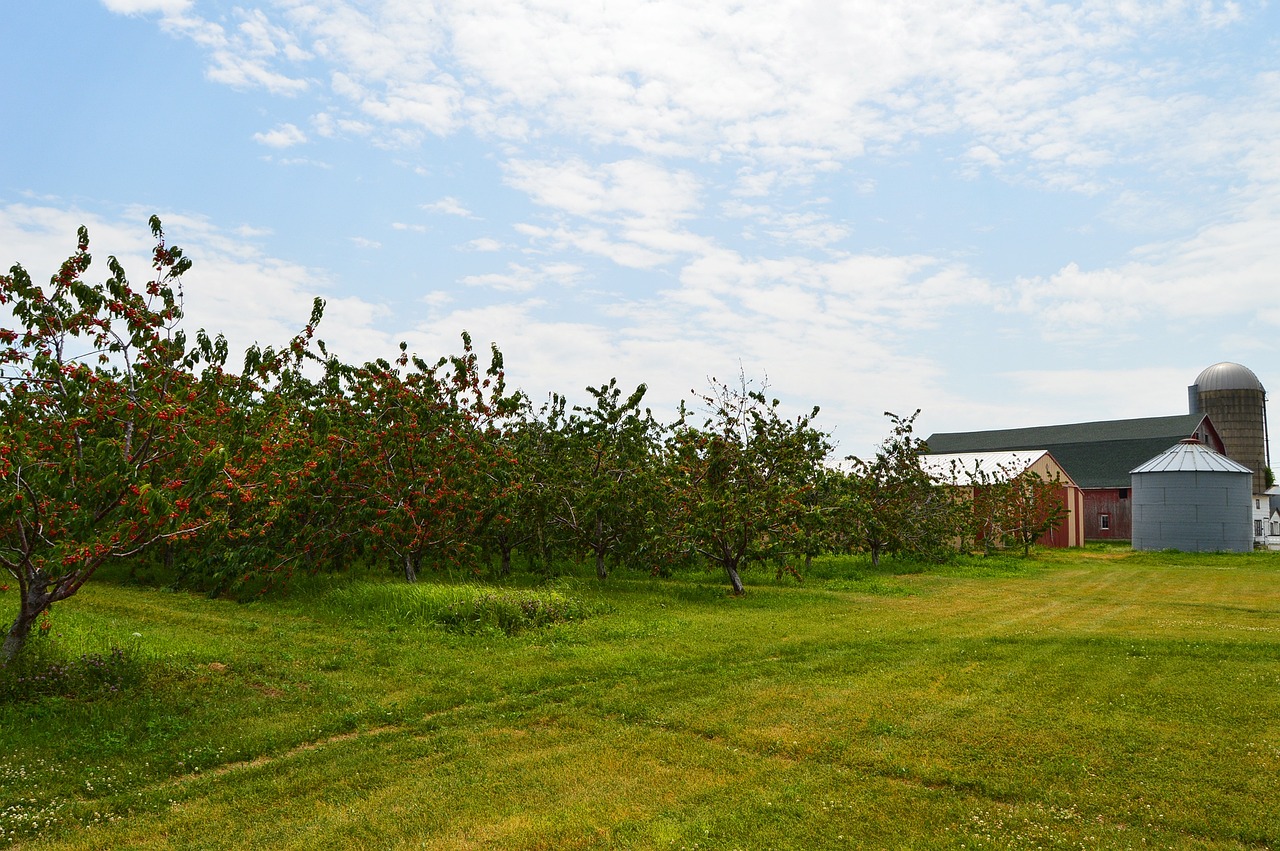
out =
column 1236, row 402
column 1190, row 498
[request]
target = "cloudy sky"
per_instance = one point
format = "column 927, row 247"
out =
column 1003, row 213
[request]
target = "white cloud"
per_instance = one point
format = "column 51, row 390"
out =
column 302, row 161
column 243, row 58
column 629, row 187
column 448, row 206
column 521, row 278
column 146, row 7
column 1224, row 269
column 635, row 209
column 282, row 136
column 754, row 184
column 328, row 126
column 597, row 241
column 807, row 229
column 1051, row 94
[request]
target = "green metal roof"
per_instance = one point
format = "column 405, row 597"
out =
column 1096, row 455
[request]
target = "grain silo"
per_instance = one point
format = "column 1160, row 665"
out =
column 1191, row 498
column 1236, row 402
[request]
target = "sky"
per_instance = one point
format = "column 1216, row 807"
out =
column 1004, row 214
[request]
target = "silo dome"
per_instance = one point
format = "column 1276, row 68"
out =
column 1228, row 376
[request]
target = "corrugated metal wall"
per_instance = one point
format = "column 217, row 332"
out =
column 1192, row 511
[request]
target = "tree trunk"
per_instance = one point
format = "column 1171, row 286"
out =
column 808, row 561
column 601, row 571
column 32, row 604
column 734, row 579
column 410, row 569
column 506, row 560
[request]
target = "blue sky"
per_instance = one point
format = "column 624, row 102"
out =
column 1005, row 214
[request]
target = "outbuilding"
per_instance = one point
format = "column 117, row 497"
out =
column 1193, row 499
column 970, row 472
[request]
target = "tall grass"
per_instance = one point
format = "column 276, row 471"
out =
column 461, row 608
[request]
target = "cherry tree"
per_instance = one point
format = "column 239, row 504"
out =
column 104, row 440
column 738, row 483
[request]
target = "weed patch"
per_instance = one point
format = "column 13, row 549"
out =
column 42, row 671
column 510, row 612
column 468, row 609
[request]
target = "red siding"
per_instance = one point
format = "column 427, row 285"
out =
column 1109, row 501
column 1060, row 535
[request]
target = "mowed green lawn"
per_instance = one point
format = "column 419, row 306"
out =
column 1086, row 700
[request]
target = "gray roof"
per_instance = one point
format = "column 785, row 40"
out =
column 1227, row 376
column 1191, row 456
column 1095, row 454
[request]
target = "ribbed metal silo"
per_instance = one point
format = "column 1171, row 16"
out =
column 1236, row 402
column 1190, row 498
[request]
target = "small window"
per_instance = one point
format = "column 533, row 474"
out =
column 1275, row 527
column 1104, row 522
column 1257, row 504
column 1257, row 528
column 1123, row 493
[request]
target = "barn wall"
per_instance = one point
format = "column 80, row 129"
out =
column 1069, row 532
column 1115, row 502
column 1064, row 534
column 1070, row 529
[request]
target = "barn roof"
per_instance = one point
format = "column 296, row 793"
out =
column 965, row 468
column 1095, row 454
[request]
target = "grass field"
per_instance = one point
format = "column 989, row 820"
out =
column 1096, row 699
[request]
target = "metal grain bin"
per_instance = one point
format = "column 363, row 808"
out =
column 1191, row 498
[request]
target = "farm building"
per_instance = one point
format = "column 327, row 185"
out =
column 1193, row 499
column 1271, row 532
column 1098, row 457
column 972, row 471
column 1227, row 406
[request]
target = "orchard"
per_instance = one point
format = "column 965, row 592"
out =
column 123, row 439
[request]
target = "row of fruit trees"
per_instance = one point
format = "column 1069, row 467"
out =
column 122, row 438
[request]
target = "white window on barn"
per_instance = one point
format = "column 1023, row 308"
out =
column 1104, row 522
